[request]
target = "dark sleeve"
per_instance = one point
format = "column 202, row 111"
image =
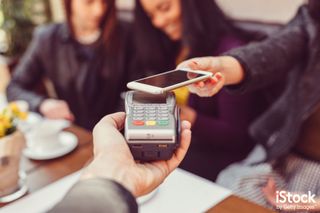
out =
column 229, row 126
column 268, row 61
column 97, row 195
column 28, row 73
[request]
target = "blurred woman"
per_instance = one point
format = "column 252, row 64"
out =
column 169, row 31
column 84, row 58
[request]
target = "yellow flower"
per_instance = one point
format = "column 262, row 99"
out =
column 15, row 111
column 23, row 116
column 7, row 113
column 2, row 130
column 6, row 121
column 9, row 116
column 14, row 108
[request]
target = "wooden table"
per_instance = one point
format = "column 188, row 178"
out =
column 42, row 173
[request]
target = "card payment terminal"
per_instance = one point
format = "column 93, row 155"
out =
column 152, row 126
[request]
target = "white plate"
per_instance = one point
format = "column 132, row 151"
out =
column 68, row 142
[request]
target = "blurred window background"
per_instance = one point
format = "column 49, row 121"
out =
column 18, row 18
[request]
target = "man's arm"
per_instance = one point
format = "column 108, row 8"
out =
column 97, row 195
column 265, row 62
column 255, row 65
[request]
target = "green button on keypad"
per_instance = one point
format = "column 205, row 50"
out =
column 163, row 123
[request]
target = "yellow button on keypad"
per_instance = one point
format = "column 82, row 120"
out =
column 151, row 123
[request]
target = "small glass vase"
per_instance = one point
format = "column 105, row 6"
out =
column 12, row 178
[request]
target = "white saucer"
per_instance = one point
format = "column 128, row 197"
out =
column 68, row 142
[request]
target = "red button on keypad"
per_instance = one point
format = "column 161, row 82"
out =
column 138, row 123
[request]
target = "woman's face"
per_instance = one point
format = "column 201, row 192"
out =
column 165, row 15
column 88, row 13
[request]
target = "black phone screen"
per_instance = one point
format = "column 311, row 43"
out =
column 145, row 98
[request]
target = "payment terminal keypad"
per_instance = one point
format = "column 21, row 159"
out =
column 150, row 115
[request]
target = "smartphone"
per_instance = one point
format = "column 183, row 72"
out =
column 164, row 82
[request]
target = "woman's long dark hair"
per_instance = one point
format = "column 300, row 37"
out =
column 204, row 24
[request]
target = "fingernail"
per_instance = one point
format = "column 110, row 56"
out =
column 184, row 124
column 219, row 76
column 213, row 81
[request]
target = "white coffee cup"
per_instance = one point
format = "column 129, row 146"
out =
column 45, row 136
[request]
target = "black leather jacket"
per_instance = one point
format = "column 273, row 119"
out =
column 293, row 54
column 89, row 78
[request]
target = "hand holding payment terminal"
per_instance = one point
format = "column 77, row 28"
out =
column 152, row 126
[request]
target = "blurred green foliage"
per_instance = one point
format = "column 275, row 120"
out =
column 18, row 18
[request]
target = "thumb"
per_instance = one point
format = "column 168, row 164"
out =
column 116, row 119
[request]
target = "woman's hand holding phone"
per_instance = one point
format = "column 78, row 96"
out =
column 168, row 81
column 227, row 70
